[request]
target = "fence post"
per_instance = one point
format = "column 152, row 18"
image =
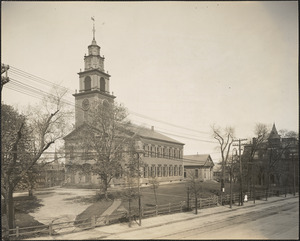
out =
column 107, row 219
column 17, row 231
column 156, row 210
column 93, row 221
column 50, row 228
column 169, row 207
column 199, row 203
column 181, row 204
column 142, row 211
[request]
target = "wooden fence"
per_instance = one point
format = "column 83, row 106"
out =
column 162, row 209
column 78, row 225
column 65, row 227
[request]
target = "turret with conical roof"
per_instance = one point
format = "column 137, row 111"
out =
column 274, row 137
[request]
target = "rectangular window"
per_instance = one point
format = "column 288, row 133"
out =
column 180, row 170
column 145, row 171
column 165, row 171
column 153, row 171
column 159, row 171
column 175, row 170
column 196, row 173
column 170, row 170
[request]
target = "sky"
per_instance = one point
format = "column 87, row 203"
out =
column 178, row 66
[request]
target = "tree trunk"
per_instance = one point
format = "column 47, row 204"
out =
column 30, row 192
column 9, row 205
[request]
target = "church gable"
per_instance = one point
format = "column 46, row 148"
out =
column 77, row 133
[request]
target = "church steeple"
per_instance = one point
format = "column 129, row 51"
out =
column 93, row 82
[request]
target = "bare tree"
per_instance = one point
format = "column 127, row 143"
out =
column 24, row 139
column 194, row 186
column 108, row 141
column 261, row 132
column 154, row 185
column 225, row 139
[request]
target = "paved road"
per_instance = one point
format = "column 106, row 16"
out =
column 277, row 221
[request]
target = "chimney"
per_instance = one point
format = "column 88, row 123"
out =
column 152, row 128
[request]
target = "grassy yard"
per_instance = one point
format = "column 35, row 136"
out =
column 175, row 193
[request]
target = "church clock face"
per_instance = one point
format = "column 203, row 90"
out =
column 85, row 104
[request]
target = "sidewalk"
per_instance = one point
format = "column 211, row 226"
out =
column 205, row 215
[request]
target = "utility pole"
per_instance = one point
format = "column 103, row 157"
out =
column 139, row 191
column 241, row 171
column 4, row 79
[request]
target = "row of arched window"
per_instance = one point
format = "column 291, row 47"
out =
column 162, row 171
column 161, row 151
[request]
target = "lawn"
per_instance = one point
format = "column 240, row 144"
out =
column 176, row 193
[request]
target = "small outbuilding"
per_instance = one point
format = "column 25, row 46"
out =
column 200, row 165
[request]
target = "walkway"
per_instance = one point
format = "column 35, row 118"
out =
column 115, row 205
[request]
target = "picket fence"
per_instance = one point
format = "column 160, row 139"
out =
column 90, row 223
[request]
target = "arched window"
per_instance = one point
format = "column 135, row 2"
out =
column 87, row 83
column 102, row 84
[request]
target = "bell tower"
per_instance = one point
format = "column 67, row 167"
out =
column 93, row 82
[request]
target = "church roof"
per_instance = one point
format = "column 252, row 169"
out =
column 140, row 131
column 151, row 134
column 197, row 160
column 274, row 133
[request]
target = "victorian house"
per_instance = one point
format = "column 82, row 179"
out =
column 162, row 156
column 275, row 161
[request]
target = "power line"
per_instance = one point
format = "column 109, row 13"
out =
column 150, row 154
column 35, row 92
column 167, row 123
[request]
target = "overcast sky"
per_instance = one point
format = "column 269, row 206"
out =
column 183, row 66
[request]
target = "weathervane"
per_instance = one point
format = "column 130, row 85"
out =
column 93, row 18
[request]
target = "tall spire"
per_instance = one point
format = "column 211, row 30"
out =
column 94, row 41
